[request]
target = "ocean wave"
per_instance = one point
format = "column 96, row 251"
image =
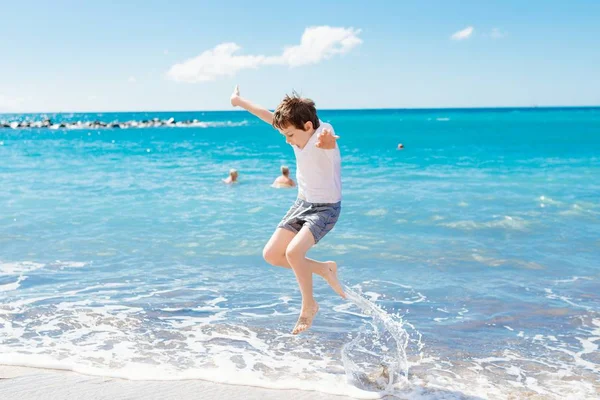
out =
column 113, row 340
column 577, row 210
column 573, row 279
column 386, row 356
column 508, row 222
column 378, row 212
column 497, row 262
column 549, row 201
column 13, row 285
column 550, row 294
column 20, row 267
column 88, row 331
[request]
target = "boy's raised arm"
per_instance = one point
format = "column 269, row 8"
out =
column 260, row 112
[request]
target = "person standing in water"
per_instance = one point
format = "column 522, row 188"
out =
column 232, row 178
column 284, row 180
column 316, row 211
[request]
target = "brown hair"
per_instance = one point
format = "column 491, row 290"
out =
column 285, row 170
column 296, row 111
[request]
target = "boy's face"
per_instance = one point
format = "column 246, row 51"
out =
column 297, row 137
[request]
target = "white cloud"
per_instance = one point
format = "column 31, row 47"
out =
column 166, row 52
column 317, row 44
column 497, row 34
column 463, row 34
column 220, row 61
column 320, row 43
column 132, row 79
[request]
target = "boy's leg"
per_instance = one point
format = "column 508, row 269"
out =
column 275, row 254
column 296, row 256
column 274, row 251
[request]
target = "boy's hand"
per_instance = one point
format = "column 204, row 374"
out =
column 235, row 96
column 254, row 109
column 326, row 140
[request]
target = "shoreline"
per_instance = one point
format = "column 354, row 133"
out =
column 28, row 383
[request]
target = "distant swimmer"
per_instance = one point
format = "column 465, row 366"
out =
column 400, row 146
column 284, row 181
column 232, row 178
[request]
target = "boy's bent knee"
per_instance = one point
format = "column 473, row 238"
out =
column 271, row 256
column 293, row 254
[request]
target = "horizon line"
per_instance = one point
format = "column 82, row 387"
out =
column 533, row 107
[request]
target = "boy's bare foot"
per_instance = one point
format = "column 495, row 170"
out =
column 306, row 318
column 332, row 279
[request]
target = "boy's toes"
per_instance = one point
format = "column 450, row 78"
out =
column 305, row 320
column 301, row 326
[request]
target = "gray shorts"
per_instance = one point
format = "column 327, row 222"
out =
column 319, row 217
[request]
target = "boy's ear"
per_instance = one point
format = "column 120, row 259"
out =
column 308, row 126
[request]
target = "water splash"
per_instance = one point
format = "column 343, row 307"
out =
column 376, row 359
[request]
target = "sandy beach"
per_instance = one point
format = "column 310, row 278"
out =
column 20, row 383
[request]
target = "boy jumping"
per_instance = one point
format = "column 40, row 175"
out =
column 315, row 212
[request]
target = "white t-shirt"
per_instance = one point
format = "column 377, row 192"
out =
column 318, row 171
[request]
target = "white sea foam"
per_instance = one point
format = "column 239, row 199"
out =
column 376, row 212
column 386, row 356
column 551, row 295
column 549, row 201
column 21, row 267
column 506, row 222
column 113, row 341
column 13, row 285
column 577, row 210
column 497, row 262
column 573, row 279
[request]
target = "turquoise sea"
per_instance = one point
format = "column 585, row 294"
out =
column 472, row 255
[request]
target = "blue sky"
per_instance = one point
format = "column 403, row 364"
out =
column 97, row 56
